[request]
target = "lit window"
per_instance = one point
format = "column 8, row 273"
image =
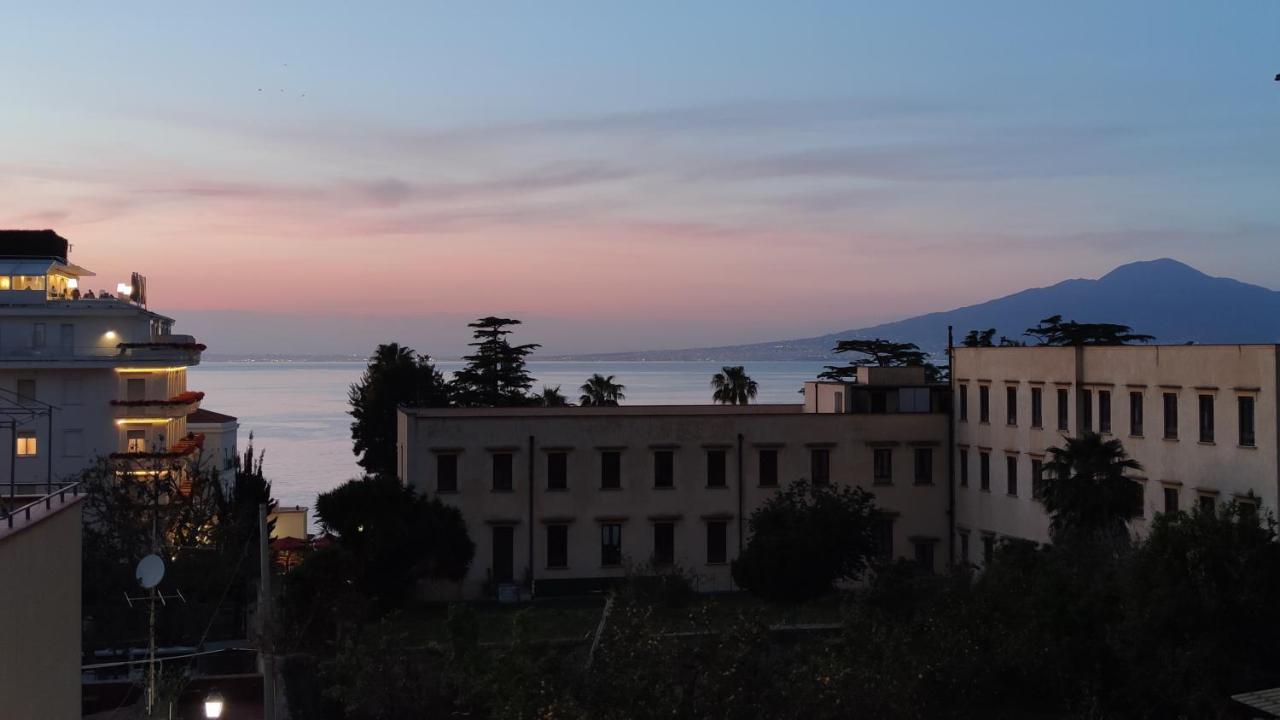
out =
column 26, row 444
column 136, row 441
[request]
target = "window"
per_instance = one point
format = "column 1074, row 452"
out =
column 1011, row 474
column 664, row 469
column 26, row 389
column 1086, row 410
column 1104, row 411
column 504, row 555
column 924, row 554
column 136, row 441
column 72, row 443
column 1206, row 503
column 1206, row 418
column 882, row 535
column 879, row 401
column 557, row 471
column 502, row 471
column 984, row 471
column 1171, row 499
column 67, row 338
column 1063, row 409
column 1245, row 406
column 924, row 466
column 1011, row 404
column 717, row 544
column 1037, row 477
column 964, row 468
column 1135, row 413
column 664, row 543
column 963, row 392
column 135, row 389
column 882, row 466
column 913, row 400
column 768, row 468
column 611, row 545
column 72, row 391
column 984, row 404
column 610, row 469
column 988, row 548
column 557, row 546
column 964, row 545
column 1037, row 407
column 1171, row 416
column 820, row 465
column 839, row 403
column 446, row 472
column 716, row 469
column 26, row 444
column 37, row 335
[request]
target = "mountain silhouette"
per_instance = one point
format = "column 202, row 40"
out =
column 1168, row 299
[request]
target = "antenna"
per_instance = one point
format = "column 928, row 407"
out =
column 150, row 571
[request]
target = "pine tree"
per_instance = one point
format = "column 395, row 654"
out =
column 495, row 375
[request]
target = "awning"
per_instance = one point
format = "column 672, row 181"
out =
column 25, row 267
column 75, row 270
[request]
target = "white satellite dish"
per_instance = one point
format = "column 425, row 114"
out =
column 150, row 571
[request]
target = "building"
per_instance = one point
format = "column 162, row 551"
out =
column 219, row 448
column 290, row 521
column 1201, row 419
column 564, row 499
column 85, row 372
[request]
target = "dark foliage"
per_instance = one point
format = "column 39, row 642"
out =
column 1054, row 330
column 880, row 353
column 1086, row 489
column 495, row 374
column 395, row 376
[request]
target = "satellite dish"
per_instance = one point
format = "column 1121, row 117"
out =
column 150, row 571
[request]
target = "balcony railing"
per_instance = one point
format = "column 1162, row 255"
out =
column 174, row 349
column 179, row 405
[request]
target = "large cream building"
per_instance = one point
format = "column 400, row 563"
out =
column 564, row 499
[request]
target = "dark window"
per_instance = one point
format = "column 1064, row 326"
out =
column 1037, row 477
column 924, row 466
column 1135, row 414
column 610, row 545
column 1037, row 407
column 964, row 546
column 502, row 471
column 664, row 543
column 964, row 468
column 882, row 535
column 1104, row 411
column 984, row 471
column 503, row 553
column 820, row 465
column 1206, row 418
column 984, row 404
column 1171, row 416
column 716, row 468
column 664, row 469
column 557, row 546
column 1011, row 404
column 1064, row 402
column 1245, row 406
column 557, row 471
column 988, row 548
column 963, row 392
column 1206, row 503
column 879, row 401
column 768, row 468
column 610, row 469
column 717, row 546
column 882, row 466
column 1086, row 410
column 924, row 554
column 446, row 473
column 37, row 335
column 1171, row 500
column 1248, row 508
column 1011, row 473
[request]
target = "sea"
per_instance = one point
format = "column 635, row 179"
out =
column 297, row 411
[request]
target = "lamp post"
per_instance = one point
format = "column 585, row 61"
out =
column 213, row 703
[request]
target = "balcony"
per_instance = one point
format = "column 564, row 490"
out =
column 162, row 350
column 187, row 446
column 180, row 405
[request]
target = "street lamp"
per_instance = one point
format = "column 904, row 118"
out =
column 213, row 703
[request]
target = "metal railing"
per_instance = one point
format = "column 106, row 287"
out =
column 47, row 501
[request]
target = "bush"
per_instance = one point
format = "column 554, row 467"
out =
column 668, row 586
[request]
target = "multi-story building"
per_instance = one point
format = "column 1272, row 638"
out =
column 85, row 372
column 1201, row 419
column 563, row 499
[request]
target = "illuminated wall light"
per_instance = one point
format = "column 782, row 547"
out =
column 124, row 288
column 151, row 370
column 145, row 421
column 110, row 335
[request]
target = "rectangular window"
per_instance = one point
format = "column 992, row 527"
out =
column 1104, row 411
column 882, row 466
column 988, row 548
column 924, row 554
column 716, row 469
column 1037, row 407
column 664, row 469
column 664, row 543
column 557, row 471
column 717, row 544
column 1245, row 406
column 136, row 441
column 1086, row 410
column 135, row 389
column 1037, row 477
column 446, row 472
column 964, row 546
column 37, row 335
column 1135, row 414
column 984, row 471
column 611, row 545
column 26, row 444
column 1206, row 418
column 504, row 553
column 879, row 401
column 768, row 468
column 963, row 462
column 1011, row 405
column 502, row 475
column 67, row 338
column 72, row 391
column 610, row 469
column 1206, row 503
column 72, row 443
column 882, row 535
column 557, row 546
column 984, row 404
column 914, row 400
column 963, row 392
column 1011, row 474
column 1171, row 416
column 820, row 465
column 26, row 390
column 839, row 404
column 924, row 466
column 1171, row 500
column 1064, row 408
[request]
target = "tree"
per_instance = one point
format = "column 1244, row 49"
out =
column 395, row 376
column 733, row 386
column 804, row 539
column 495, row 374
column 979, row 338
column 551, row 397
column 880, row 353
column 1086, row 491
column 1054, row 330
column 601, row 391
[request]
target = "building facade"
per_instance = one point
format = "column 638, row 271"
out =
column 1201, row 419
column 565, row 499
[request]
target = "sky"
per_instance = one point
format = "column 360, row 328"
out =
column 318, row 177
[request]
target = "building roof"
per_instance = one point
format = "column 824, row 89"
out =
column 209, row 417
column 620, row 410
column 1267, row 701
column 33, row 243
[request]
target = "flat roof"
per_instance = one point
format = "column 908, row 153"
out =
column 209, row 417
column 1134, row 346
column 620, row 410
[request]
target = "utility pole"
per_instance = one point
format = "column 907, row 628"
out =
column 265, row 645
column 151, row 598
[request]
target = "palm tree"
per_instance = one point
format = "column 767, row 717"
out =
column 551, row 397
column 733, row 386
column 1086, row 491
column 601, row 391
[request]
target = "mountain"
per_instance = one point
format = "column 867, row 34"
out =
column 1170, row 300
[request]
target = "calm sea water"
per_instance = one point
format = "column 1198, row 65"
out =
column 297, row 412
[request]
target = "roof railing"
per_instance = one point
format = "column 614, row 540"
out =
column 47, row 501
